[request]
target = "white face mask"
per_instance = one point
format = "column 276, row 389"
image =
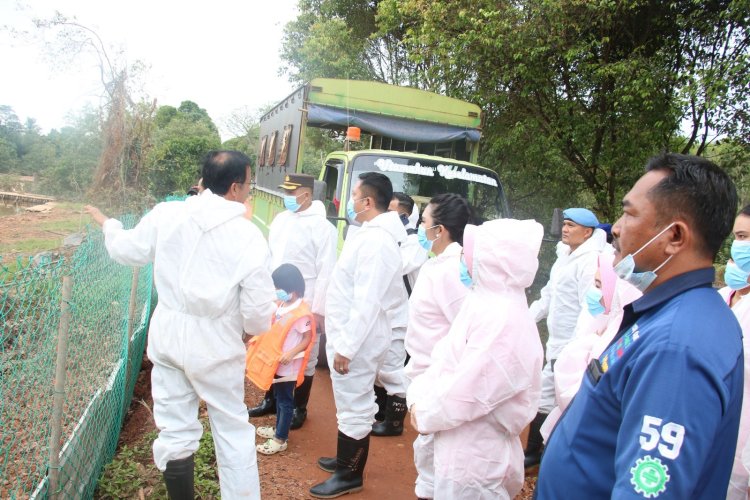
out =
column 625, row 269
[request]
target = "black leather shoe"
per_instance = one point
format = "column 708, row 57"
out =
column 266, row 407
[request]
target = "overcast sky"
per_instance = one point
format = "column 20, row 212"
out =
column 222, row 54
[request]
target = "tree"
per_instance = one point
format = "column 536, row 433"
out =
column 180, row 139
column 583, row 92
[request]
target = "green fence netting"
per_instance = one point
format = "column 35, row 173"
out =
column 106, row 336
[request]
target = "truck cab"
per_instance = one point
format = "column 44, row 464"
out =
column 419, row 176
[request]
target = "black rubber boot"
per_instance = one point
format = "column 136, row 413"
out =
column 381, row 396
column 351, row 457
column 178, row 477
column 266, row 407
column 301, row 397
column 532, row 455
column 393, row 425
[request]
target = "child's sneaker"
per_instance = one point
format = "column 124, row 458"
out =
column 271, row 447
column 266, row 432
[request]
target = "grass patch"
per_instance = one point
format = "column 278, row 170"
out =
column 67, row 226
column 132, row 473
column 31, row 246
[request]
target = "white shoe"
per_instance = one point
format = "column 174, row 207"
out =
column 271, row 447
column 266, row 432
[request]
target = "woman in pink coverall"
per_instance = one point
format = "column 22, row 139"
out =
column 483, row 384
column 594, row 332
column 434, row 303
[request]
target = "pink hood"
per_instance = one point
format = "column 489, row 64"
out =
column 502, row 254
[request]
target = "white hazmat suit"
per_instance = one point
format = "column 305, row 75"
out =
column 482, row 386
column 433, row 306
column 365, row 280
column 561, row 302
column 307, row 240
column 211, row 274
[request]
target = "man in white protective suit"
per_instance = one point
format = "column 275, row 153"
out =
column 301, row 235
column 365, row 280
column 211, row 271
column 561, row 302
column 391, row 382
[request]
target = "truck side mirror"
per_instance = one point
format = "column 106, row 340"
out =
column 555, row 229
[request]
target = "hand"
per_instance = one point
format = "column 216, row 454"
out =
column 320, row 321
column 286, row 358
column 340, row 364
column 96, row 214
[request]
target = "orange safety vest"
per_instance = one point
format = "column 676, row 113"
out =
column 264, row 351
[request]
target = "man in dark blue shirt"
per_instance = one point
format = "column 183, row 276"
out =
column 657, row 413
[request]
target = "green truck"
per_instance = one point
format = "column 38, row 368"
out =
column 424, row 142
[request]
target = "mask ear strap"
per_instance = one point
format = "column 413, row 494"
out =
column 652, row 240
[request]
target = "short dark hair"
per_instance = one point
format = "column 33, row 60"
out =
column 288, row 277
column 222, row 168
column 698, row 191
column 745, row 210
column 378, row 187
column 452, row 211
column 405, row 201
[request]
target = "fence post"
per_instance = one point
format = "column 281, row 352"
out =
column 131, row 328
column 59, row 392
column 131, row 306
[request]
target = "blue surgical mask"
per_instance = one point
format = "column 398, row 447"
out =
column 594, row 301
column 425, row 242
column 283, row 295
column 465, row 277
column 625, row 269
column 741, row 254
column 734, row 277
column 350, row 210
column 290, row 203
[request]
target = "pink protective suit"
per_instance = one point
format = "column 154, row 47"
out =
column 483, row 383
column 592, row 337
column 738, row 482
column 434, row 303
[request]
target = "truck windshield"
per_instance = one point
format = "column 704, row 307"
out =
column 422, row 179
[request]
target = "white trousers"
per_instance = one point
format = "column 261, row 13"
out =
column 190, row 366
column 353, row 392
column 391, row 374
column 547, row 400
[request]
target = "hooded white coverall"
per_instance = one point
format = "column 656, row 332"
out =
column 365, row 280
column 434, row 304
column 211, row 273
column 307, row 240
column 561, row 302
column 482, row 386
column 740, row 478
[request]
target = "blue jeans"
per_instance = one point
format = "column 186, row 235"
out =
column 284, row 394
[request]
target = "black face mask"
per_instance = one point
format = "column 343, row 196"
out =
column 404, row 218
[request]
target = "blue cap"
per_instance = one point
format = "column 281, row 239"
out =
column 606, row 227
column 581, row 216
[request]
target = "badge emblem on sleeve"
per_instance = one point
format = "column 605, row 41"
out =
column 649, row 476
